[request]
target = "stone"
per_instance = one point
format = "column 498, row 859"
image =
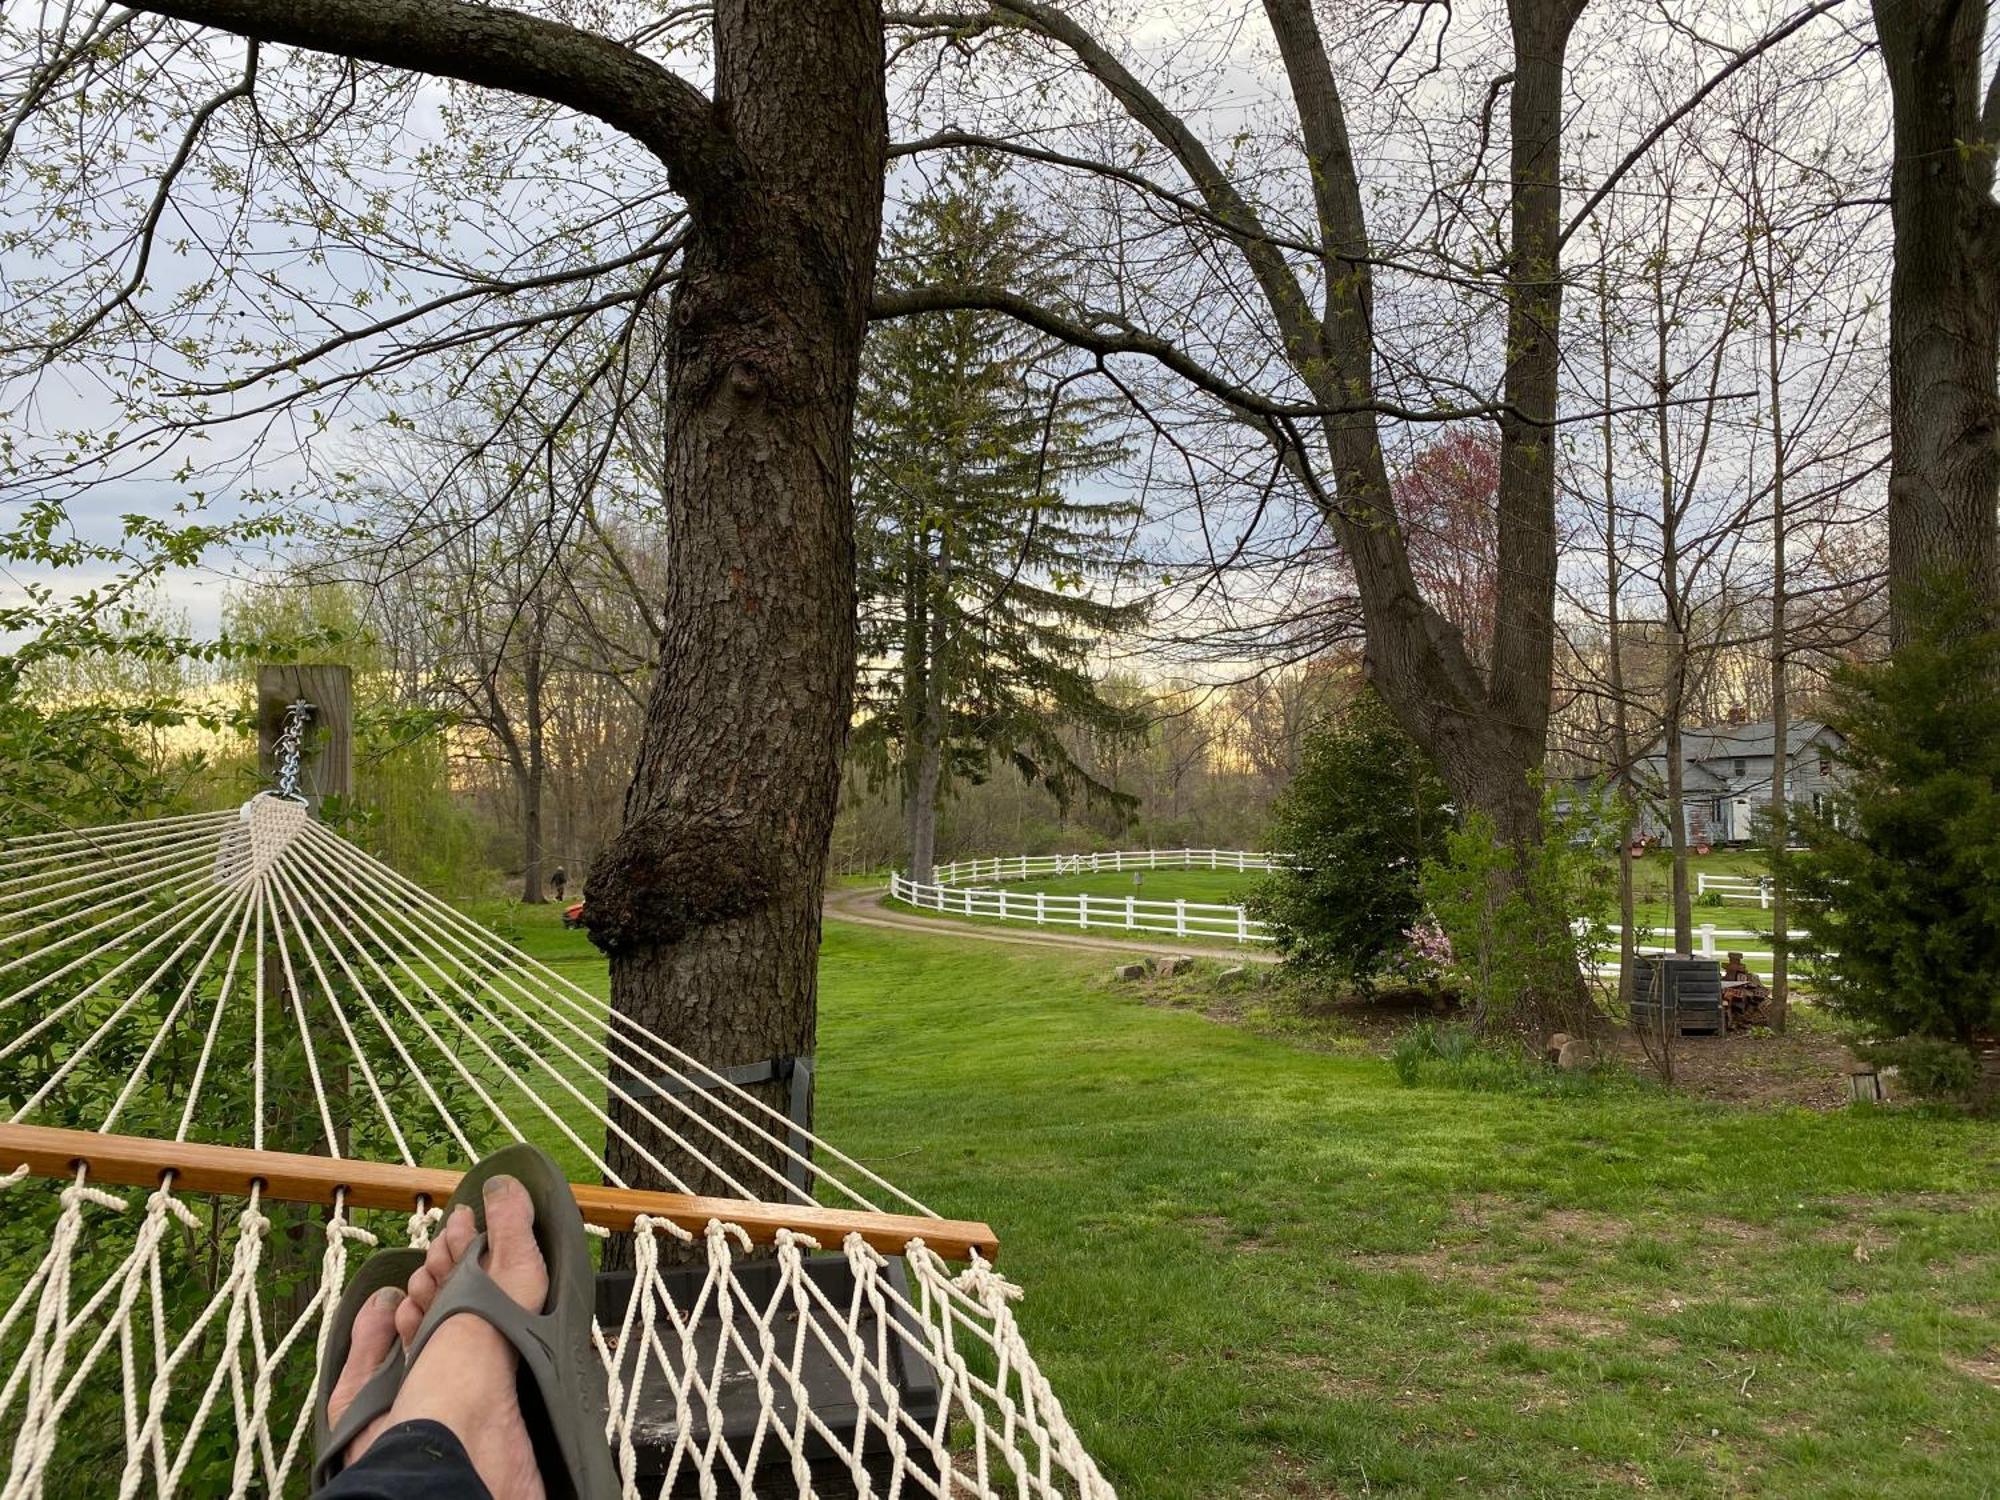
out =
column 1180, row 963
column 1576, row 1053
column 1233, row 973
column 1129, row 971
column 1552, row 1048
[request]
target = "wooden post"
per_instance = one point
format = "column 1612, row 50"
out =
column 328, row 763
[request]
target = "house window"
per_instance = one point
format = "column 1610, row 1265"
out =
column 1741, row 765
column 1825, row 763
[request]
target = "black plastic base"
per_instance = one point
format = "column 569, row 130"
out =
column 830, row 1395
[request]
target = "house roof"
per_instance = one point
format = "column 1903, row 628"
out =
column 1726, row 741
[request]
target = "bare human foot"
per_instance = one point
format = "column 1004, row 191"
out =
column 465, row 1376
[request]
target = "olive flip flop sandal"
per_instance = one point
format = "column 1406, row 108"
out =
column 564, row 1397
column 385, row 1268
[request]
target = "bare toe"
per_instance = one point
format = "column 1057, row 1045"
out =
column 514, row 1260
column 465, row 1376
column 369, row 1342
column 409, row 1318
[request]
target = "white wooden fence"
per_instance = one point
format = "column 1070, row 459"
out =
column 1711, row 941
column 950, row 896
column 1754, row 890
column 1114, row 861
column 1107, row 914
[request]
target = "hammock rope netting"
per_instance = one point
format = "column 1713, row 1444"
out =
column 202, row 1013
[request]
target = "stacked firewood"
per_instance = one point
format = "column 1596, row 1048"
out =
column 1745, row 1000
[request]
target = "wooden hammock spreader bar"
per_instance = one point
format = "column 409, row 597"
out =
column 138, row 1161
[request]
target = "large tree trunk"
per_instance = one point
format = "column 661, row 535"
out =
column 709, row 900
column 1487, row 733
column 1944, row 307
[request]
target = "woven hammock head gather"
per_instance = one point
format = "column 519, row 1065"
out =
column 247, row 979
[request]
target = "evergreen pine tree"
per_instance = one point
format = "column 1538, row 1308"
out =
column 1900, row 877
column 982, row 567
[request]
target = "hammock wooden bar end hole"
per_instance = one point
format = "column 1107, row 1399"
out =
column 138, row 1161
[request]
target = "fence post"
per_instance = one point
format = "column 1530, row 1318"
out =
column 1083, row 909
column 1708, row 940
column 1041, row 909
column 1211, row 859
column 1180, row 917
column 1242, row 925
column 1003, row 903
column 1131, row 914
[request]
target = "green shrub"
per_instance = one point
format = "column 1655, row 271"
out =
column 1517, row 928
column 1929, row 1068
column 1901, row 879
column 1450, row 1055
column 1365, row 811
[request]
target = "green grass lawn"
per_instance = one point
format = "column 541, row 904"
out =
column 1222, row 887
column 1259, row 1270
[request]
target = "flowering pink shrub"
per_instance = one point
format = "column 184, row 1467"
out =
column 1426, row 955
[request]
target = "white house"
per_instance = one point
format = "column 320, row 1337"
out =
column 1726, row 777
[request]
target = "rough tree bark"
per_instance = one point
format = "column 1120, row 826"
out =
column 709, row 900
column 1944, row 307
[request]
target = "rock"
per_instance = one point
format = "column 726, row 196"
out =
column 1233, row 973
column 1574, row 1054
column 1129, row 971
column 1180, row 963
column 1552, row 1048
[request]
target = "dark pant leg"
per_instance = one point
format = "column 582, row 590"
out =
column 410, row 1461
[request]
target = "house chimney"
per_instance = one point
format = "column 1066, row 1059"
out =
column 1738, row 714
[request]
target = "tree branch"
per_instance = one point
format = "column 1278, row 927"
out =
column 1689, row 106
column 492, row 47
column 1104, row 335
column 1296, row 325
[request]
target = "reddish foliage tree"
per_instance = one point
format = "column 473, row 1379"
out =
column 1448, row 500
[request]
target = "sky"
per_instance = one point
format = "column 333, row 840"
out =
column 1230, row 58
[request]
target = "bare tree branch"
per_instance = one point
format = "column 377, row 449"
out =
column 496, row 48
column 1688, row 106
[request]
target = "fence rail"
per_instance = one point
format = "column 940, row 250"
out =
column 1115, row 861
column 1711, row 941
column 949, row 896
column 1750, row 889
column 1179, row 919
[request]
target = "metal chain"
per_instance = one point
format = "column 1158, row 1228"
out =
column 291, row 745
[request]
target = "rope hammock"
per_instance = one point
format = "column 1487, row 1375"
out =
column 236, row 1052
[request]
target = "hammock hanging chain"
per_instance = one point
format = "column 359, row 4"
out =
column 291, row 748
